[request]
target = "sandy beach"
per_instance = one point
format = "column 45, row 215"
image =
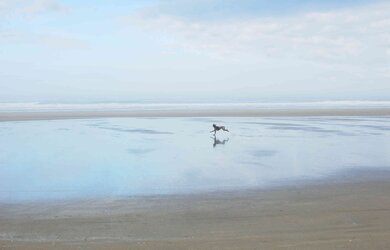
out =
column 351, row 211
column 345, row 210
column 56, row 115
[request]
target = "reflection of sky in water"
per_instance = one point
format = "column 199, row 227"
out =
column 130, row 156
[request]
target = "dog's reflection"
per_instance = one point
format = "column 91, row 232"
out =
column 219, row 142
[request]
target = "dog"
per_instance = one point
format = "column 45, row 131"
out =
column 217, row 128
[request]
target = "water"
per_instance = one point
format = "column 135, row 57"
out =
column 53, row 107
column 65, row 159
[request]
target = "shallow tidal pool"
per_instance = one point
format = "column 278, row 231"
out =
column 113, row 157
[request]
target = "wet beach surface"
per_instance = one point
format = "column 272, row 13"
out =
column 120, row 157
column 168, row 183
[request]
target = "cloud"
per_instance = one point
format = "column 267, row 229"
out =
column 359, row 34
column 66, row 42
column 14, row 8
column 56, row 41
column 225, row 9
column 39, row 6
column 21, row 11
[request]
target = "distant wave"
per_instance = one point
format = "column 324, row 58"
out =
column 36, row 107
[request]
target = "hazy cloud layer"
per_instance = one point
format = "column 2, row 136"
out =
column 14, row 11
column 29, row 7
column 190, row 50
column 357, row 35
column 46, row 40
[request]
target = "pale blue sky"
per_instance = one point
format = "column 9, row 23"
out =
column 215, row 50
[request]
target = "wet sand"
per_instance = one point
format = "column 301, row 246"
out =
column 349, row 212
column 247, row 112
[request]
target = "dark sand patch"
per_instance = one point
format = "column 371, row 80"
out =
column 352, row 213
column 141, row 131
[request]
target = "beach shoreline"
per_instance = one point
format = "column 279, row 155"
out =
column 347, row 210
column 338, row 213
column 244, row 112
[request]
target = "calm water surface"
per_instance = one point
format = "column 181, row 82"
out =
column 42, row 160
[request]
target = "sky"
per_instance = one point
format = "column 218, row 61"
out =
column 194, row 51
